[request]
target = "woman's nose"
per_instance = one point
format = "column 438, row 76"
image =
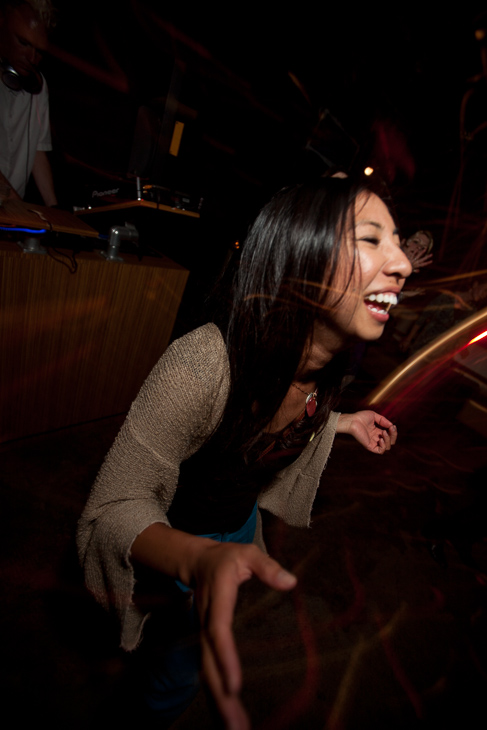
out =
column 399, row 264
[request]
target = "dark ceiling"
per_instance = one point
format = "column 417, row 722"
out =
column 251, row 86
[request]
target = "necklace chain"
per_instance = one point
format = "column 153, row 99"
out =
column 313, row 392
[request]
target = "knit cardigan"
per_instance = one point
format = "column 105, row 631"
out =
column 177, row 408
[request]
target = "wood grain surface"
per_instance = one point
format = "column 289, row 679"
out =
column 19, row 213
column 123, row 205
column 77, row 346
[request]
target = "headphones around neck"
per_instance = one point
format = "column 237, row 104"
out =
column 32, row 83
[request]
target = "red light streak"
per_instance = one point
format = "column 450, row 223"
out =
column 479, row 337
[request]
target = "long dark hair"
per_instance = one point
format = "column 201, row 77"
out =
column 284, row 282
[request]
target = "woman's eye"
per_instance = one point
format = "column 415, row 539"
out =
column 370, row 239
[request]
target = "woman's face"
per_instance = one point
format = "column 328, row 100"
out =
column 380, row 270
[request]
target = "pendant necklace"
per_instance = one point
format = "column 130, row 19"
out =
column 311, row 401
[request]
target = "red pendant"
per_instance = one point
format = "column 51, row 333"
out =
column 311, row 404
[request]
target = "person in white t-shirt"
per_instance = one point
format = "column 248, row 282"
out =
column 25, row 136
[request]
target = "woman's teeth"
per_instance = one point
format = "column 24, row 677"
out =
column 388, row 298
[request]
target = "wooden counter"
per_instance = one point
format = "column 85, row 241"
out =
column 77, row 346
column 127, row 204
column 19, row 213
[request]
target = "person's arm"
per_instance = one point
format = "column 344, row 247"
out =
column 176, row 409
column 215, row 571
column 42, row 174
column 373, row 431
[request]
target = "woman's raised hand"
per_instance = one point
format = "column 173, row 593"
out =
column 375, row 432
column 217, row 574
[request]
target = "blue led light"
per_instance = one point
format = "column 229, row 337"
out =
column 23, row 230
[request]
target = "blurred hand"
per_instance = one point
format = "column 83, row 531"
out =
column 218, row 572
column 370, row 429
column 418, row 259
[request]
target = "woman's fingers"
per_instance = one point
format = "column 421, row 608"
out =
column 384, row 441
column 237, row 564
column 221, row 571
column 388, row 437
column 392, row 431
column 388, row 434
column 381, row 421
column 271, row 573
column 228, row 703
column 218, row 627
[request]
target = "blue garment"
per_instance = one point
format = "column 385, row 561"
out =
column 171, row 679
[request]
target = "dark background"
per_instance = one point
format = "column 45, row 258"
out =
column 252, row 81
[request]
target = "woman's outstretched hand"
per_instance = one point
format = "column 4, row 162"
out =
column 372, row 430
column 219, row 571
column 215, row 571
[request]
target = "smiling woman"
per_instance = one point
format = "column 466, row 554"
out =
column 237, row 417
column 379, row 275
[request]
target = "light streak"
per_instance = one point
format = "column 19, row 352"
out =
column 429, row 359
column 385, row 635
column 458, row 277
column 479, row 337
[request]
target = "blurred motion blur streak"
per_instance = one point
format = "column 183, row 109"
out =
column 406, row 386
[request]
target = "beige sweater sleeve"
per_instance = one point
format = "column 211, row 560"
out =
column 178, row 406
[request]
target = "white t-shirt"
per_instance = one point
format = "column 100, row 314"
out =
column 24, row 129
